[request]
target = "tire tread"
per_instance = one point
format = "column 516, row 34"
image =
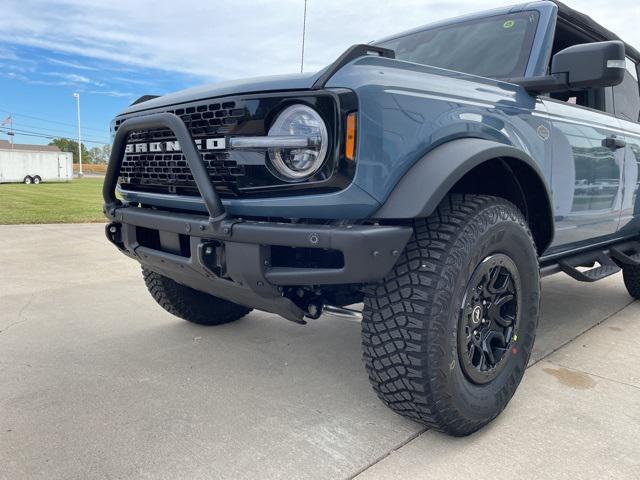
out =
column 412, row 305
column 631, row 276
column 189, row 304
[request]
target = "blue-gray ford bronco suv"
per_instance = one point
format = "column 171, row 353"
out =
column 435, row 176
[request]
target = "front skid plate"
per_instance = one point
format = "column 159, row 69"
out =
column 370, row 252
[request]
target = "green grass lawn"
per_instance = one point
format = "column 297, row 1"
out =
column 79, row 201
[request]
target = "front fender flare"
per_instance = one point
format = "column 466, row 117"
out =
column 425, row 185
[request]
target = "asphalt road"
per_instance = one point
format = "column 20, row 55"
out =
column 96, row 381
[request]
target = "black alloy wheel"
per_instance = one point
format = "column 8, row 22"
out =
column 489, row 318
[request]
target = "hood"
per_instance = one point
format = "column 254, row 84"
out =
column 301, row 81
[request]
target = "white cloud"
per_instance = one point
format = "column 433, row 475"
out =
column 70, row 64
column 16, row 76
column 6, row 54
column 71, row 77
column 15, row 66
column 74, row 78
column 230, row 39
column 111, row 93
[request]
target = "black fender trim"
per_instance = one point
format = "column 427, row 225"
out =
column 426, row 184
column 353, row 52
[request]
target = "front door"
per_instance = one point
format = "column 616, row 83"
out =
column 626, row 99
column 586, row 172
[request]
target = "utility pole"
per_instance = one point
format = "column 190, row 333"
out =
column 304, row 31
column 77, row 97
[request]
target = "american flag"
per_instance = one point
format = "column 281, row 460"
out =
column 6, row 120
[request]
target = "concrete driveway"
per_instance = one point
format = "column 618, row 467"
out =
column 97, row 381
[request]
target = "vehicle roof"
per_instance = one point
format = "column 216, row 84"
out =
column 577, row 19
column 588, row 25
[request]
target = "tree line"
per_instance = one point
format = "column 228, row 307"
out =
column 94, row 155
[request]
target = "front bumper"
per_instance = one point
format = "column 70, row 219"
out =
column 233, row 258
column 234, row 261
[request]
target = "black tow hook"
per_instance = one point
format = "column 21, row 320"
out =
column 314, row 309
column 310, row 302
column 114, row 234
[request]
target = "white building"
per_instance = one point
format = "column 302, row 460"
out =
column 34, row 163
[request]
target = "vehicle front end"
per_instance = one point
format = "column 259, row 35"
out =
column 250, row 198
column 278, row 193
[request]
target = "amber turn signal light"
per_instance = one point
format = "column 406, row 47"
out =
column 350, row 144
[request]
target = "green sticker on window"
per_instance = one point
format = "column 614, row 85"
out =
column 508, row 24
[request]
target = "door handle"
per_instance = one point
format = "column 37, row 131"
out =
column 613, row 142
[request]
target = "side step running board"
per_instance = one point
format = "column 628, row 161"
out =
column 607, row 266
column 627, row 254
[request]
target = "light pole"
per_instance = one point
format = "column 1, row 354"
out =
column 304, row 32
column 77, row 97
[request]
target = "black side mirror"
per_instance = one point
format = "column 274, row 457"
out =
column 589, row 65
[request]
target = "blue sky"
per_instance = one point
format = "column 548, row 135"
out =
column 113, row 51
column 37, row 88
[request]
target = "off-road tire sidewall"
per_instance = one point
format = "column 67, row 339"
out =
column 189, row 304
column 481, row 403
column 411, row 319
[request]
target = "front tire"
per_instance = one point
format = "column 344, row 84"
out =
column 189, row 304
column 37, row 180
column 27, row 180
column 443, row 342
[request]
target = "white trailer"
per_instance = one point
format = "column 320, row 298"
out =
column 34, row 164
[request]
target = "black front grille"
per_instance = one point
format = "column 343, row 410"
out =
column 167, row 172
column 234, row 173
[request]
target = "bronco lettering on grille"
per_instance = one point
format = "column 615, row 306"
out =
column 174, row 146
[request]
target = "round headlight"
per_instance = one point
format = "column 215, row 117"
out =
column 298, row 163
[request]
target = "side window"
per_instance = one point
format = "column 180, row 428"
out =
column 626, row 96
column 595, row 98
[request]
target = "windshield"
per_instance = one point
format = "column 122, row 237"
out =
column 494, row 47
